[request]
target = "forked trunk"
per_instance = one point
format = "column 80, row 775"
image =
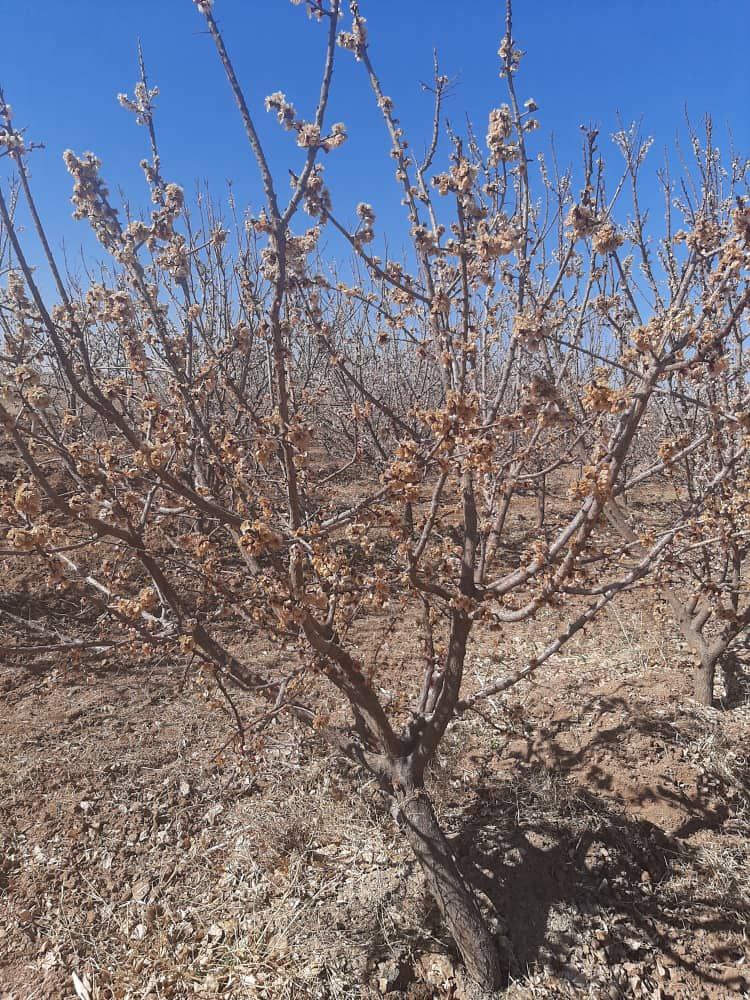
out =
column 451, row 893
column 703, row 681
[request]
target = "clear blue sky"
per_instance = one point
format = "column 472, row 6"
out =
column 64, row 62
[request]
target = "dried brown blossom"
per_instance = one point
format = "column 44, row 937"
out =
column 607, row 238
column 582, row 220
column 499, row 130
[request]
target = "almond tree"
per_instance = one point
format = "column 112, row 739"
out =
column 177, row 422
column 705, row 583
column 703, row 409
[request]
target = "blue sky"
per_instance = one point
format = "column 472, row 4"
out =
column 64, row 63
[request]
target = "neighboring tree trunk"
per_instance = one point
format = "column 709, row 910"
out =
column 446, row 884
column 541, row 502
column 705, row 675
column 734, row 681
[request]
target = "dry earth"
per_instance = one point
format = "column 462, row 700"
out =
column 604, row 820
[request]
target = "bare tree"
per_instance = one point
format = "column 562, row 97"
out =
column 703, row 413
column 178, row 421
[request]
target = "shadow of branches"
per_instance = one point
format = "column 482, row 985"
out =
column 579, row 883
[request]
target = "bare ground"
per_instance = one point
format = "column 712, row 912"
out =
column 603, row 819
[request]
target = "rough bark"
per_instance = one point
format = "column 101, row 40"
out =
column 703, row 681
column 451, row 893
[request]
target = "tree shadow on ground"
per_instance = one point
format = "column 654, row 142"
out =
column 554, row 856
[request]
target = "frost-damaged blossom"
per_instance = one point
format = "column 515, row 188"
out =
column 161, row 229
column 174, row 199
column 460, row 179
column 20, row 335
column 308, row 133
column 741, row 220
column 366, row 232
column 441, row 303
column 164, row 217
column 607, row 238
column 594, row 483
column 297, row 249
column 261, row 224
column 141, row 103
column 337, row 137
column 498, row 238
column 174, row 258
column 464, row 174
column 705, row 237
column 258, row 537
column 426, row 240
column 317, row 197
column 356, row 39
column 38, row 398
column 285, row 112
column 499, row 130
column 403, row 476
column 12, row 141
column 582, row 219
column 510, row 56
column 600, row 397
column 117, row 308
column 531, row 329
column 91, row 197
column 314, row 8
column 308, row 136
column 631, row 145
column 219, row 236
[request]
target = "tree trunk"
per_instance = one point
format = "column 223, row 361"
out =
column 446, row 884
column 703, row 681
column 541, row 502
